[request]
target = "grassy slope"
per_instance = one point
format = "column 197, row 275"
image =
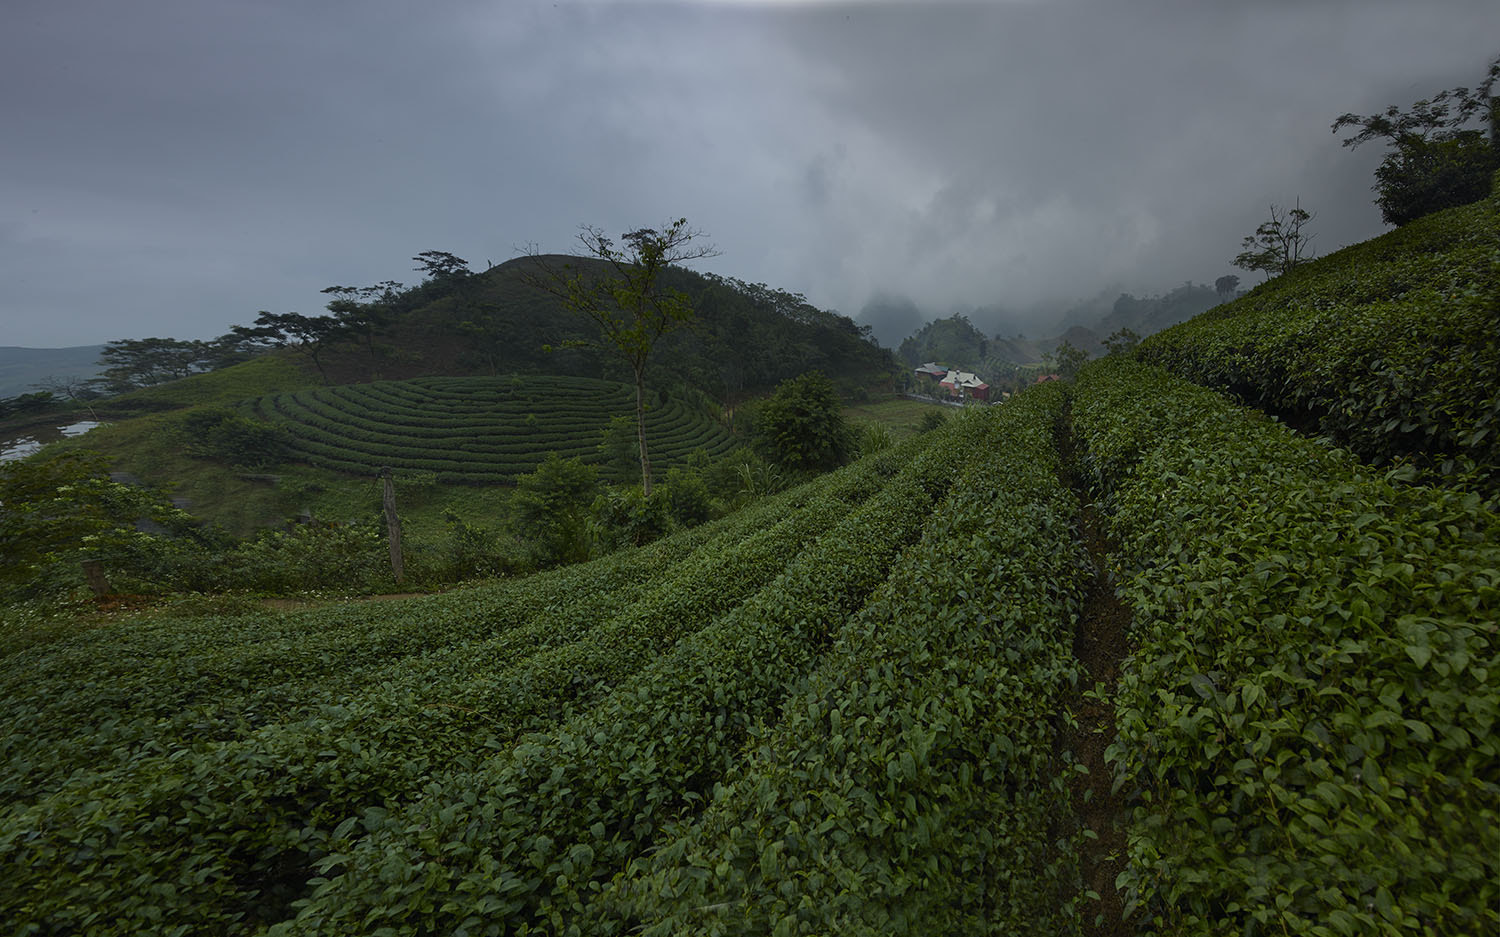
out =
column 902, row 416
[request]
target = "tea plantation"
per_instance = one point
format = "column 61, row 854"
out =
column 838, row 711
column 854, row 707
column 475, row 430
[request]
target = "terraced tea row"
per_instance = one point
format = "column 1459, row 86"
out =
column 230, row 829
column 837, row 712
column 526, row 844
column 1389, row 346
column 912, row 783
column 1309, row 722
column 475, row 430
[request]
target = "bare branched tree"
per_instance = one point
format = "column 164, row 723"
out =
column 1278, row 245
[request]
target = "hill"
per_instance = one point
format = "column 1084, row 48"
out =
column 1389, row 347
column 746, row 338
column 475, row 430
column 21, row 368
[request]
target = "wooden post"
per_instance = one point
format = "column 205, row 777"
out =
column 392, row 522
column 93, row 571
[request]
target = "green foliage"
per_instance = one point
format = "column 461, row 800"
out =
column 875, row 437
column 628, row 300
column 1388, row 346
column 133, row 363
column 1307, row 723
column 240, row 751
column 312, row 557
column 552, row 505
column 27, row 403
column 911, row 782
column 1419, row 177
column 562, row 815
column 802, row 426
column 224, row 435
column 618, row 448
column 57, row 512
column 471, row 552
column 1436, row 161
column 627, row 516
column 266, row 374
column 932, row 420
column 954, row 341
column 1122, row 342
column 1069, row 359
column 688, row 498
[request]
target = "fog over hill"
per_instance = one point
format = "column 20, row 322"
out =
column 175, row 167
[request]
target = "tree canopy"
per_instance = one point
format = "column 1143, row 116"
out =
column 627, row 299
column 1438, row 158
column 802, row 426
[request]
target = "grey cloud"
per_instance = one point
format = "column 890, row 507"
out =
column 174, row 166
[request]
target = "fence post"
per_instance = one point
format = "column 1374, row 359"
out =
column 392, row 522
column 93, row 571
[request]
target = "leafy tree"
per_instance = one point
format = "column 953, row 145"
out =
column 1122, row 342
column 310, row 334
column 223, row 435
column 81, row 391
column 1226, row 285
column 551, row 507
column 1279, row 244
column 56, row 513
column 1419, row 177
column 27, row 403
column 441, row 265
column 1069, row 358
column 618, row 446
column 629, row 303
column 802, row 426
column 1437, row 159
column 132, row 363
column 954, row 341
column 365, row 313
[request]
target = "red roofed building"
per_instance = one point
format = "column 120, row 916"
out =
column 961, row 384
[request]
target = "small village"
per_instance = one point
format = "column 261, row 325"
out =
column 956, row 386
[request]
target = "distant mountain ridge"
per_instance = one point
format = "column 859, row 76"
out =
column 956, row 341
column 21, row 368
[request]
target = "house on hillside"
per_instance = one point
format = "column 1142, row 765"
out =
column 933, row 370
column 964, row 385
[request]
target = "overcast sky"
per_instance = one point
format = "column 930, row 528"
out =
column 171, row 167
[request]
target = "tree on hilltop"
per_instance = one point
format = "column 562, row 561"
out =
column 1437, row 158
column 626, row 299
column 1279, row 244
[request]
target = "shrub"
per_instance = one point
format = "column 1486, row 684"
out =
column 223, row 435
column 802, row 426
column 552, row 506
